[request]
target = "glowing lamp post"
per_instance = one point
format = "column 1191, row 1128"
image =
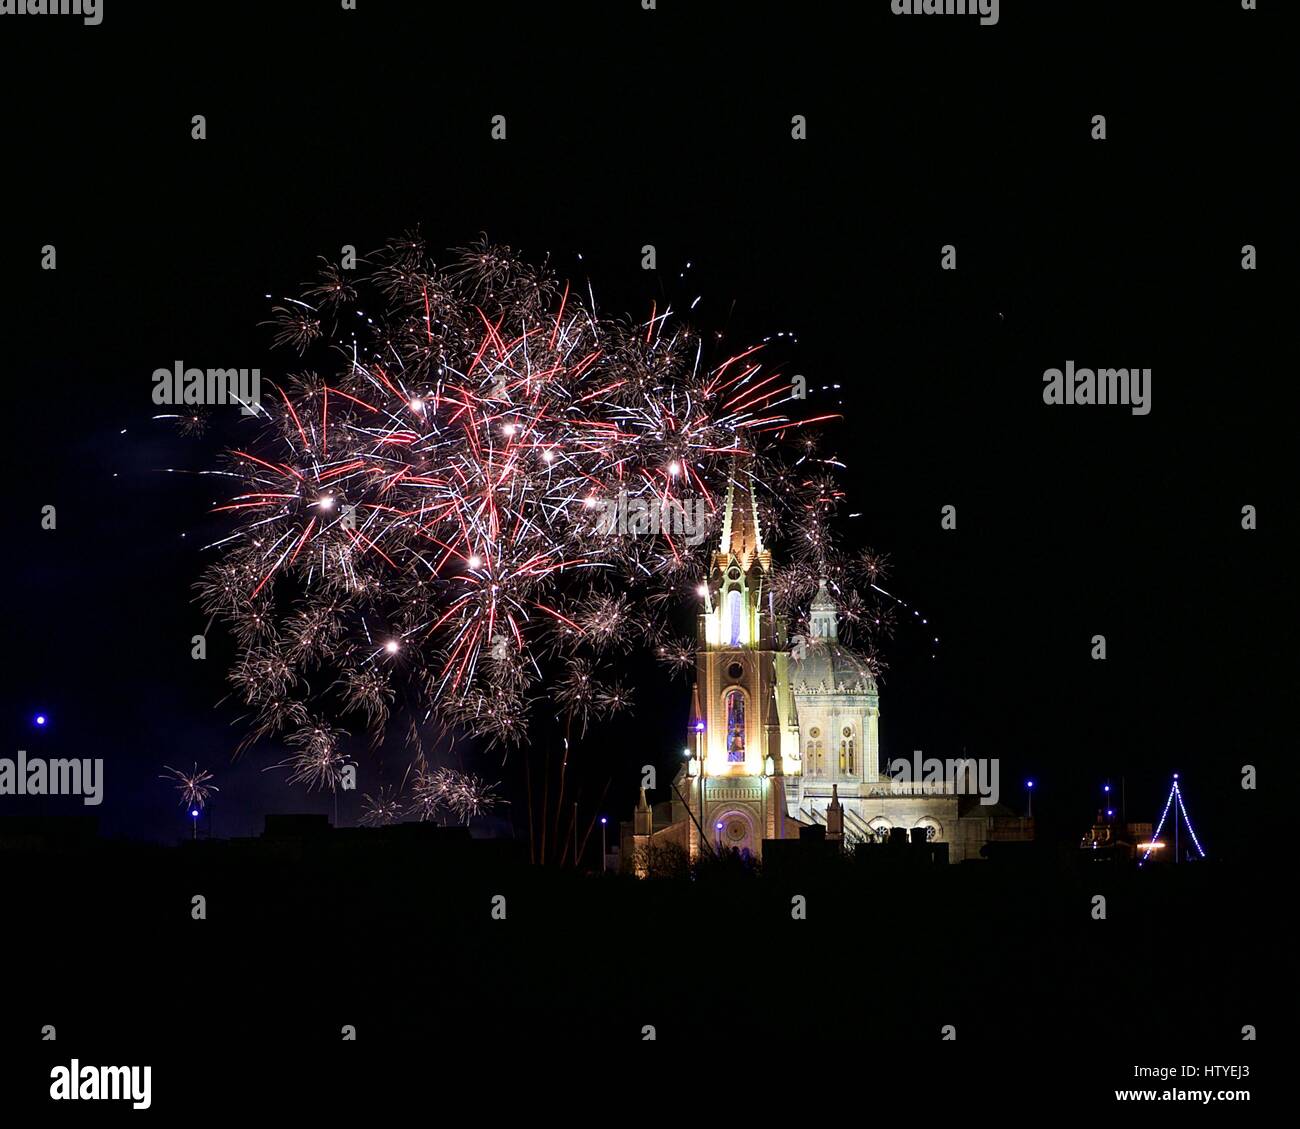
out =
column 603, row 856
column 1029, row 789
column 194, row 821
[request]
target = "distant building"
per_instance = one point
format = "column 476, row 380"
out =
column 1115, row 837
column 784, row 734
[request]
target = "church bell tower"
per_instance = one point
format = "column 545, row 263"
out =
column 734, row 768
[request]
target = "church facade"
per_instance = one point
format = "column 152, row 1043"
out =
column 784, row 733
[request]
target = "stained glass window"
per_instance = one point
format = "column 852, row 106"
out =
column 733, row 616
column 735, row 701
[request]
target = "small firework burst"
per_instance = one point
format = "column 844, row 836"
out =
column 469, row 796
column 381, row 810
column 444, row 791
column 319, row 762
column 296, row 325
column 427, row 800
column 613, row 699
column 871, row 566
column 334, row 288
column 193, row 786
column 678, row 655
column 368, row 691
column 317, row 768
column 193, row 422
column 579, row 692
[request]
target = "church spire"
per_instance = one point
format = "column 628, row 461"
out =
column 695, row 727
column 742, row 538
column 643, row 816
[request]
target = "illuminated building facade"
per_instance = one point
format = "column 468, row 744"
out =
column 781, row 728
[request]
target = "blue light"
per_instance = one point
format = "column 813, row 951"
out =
column 718, row 826
column 194, row 812
column 603, row 819
column 1029, row 783
column 1107, row 788
column 40, row 719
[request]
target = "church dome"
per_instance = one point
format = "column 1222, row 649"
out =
column 822, row 665
column 829, row 667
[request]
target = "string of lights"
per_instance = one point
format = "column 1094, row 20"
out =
column 1174, row 793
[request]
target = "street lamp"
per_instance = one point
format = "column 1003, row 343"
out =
column 1029, row 788
column 603, row 856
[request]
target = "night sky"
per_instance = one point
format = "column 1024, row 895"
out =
column 673, row 128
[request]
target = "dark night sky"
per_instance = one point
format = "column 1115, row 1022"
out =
column 672, row 128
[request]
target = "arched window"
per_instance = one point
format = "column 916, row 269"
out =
column 733, row 617
column 847, row 751
column 852, row 766
column 933, row 828
column 821, row 761
column 809, row 758
column 735, row 703
column 844, row 757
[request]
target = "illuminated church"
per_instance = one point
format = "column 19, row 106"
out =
column 784, row 733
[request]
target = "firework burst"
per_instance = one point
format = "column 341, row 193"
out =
column 193, row 786
column 439, row 792
column 382, row 809
column 421, row 515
